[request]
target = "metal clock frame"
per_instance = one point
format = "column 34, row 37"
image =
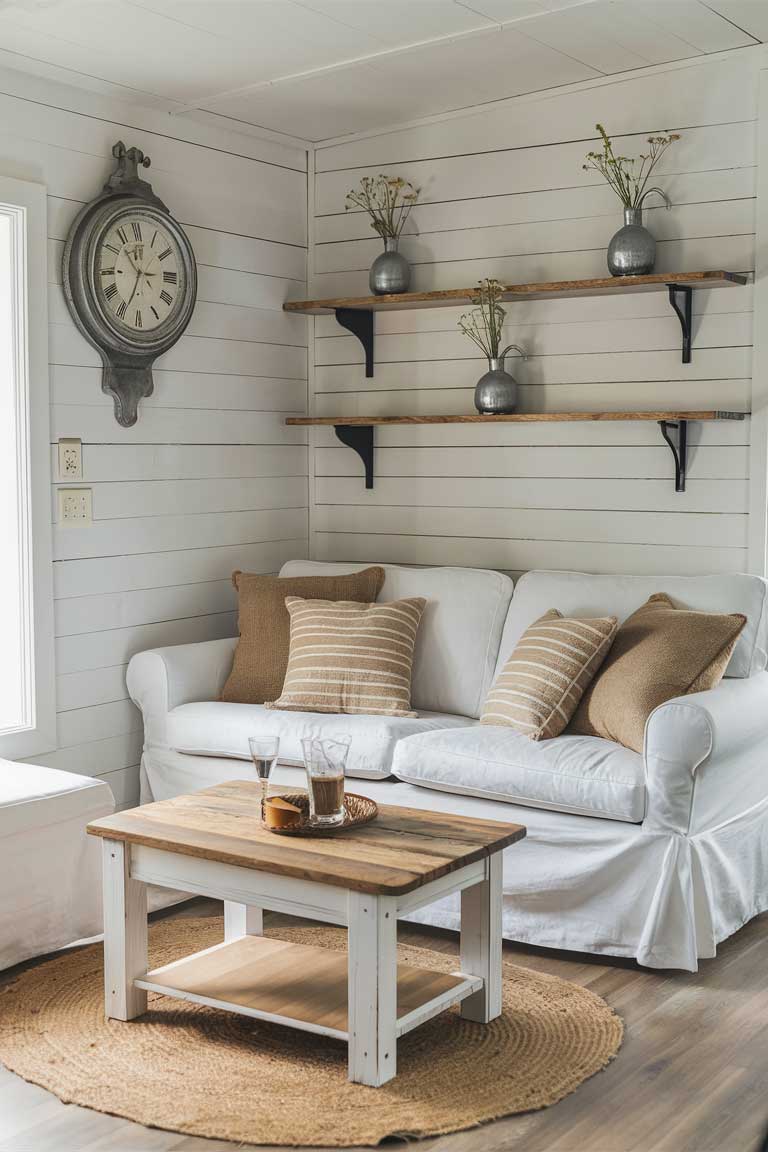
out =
column 127, row 355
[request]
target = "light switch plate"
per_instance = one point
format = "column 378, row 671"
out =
column 75, row 506
column 70, row 459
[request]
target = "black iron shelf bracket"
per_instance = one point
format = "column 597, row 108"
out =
column 359, row 321
column 681, row 299
column 676, row 435
column 359, row 437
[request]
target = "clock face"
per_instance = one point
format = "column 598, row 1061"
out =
column 138, row 272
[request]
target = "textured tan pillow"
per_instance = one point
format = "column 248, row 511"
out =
column 554, row 661
column 261, row 656
column 659, row 652
column 352, row 658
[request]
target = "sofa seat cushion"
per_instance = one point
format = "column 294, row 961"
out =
column 579, row 774
column 217, row 728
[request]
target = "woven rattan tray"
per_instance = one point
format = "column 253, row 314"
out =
column 357, row 810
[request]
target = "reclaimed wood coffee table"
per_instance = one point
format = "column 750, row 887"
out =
column 211, row 843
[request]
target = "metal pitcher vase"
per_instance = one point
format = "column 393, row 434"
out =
column 496, row 390
column 390, row 272
column 632, row 250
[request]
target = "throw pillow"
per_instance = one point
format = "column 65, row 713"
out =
column 352, row 658
column 261, row 656
column 660, row 652
column 542, row 682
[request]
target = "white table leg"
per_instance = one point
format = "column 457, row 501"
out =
column 125, row 934
column 481, row 943
column 372, row 946
column 242, row 920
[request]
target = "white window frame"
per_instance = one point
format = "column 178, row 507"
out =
column 29, row 211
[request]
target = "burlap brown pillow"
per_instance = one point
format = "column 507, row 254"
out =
column 659, row 652
column 261, row 656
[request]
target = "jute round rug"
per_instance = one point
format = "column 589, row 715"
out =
column 211, row 1073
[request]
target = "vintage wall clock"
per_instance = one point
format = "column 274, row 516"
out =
column 130, row 280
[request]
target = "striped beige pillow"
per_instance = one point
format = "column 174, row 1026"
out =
column 542, row 682
column 351, row 658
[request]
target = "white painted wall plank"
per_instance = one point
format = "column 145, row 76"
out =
column 209, row 479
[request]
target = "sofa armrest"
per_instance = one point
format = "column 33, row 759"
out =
column 703, row 735
column 163, row 678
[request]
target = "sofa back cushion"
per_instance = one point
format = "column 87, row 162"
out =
column 459, row 634
column 585, row 594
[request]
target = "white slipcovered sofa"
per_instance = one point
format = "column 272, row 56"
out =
column 656, row 856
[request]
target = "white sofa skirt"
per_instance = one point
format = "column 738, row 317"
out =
column 576, row 882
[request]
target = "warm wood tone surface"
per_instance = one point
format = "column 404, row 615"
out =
column 690, row 1077
column 297, row 981
column 397, row 852
column 605, row 285
column 519, row 417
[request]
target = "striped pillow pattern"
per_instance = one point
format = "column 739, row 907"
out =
column 542, row 682
column 349, row 657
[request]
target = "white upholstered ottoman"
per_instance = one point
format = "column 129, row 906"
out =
column 50, row 871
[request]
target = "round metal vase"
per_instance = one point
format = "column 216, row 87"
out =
column 390, row 272
column 496, row 390
column 632, row 251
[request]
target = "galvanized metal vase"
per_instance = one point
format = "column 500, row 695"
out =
column 496, row 390
column 390, row 272
column 632, row 251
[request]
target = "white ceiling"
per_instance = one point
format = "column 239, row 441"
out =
column 318, row 69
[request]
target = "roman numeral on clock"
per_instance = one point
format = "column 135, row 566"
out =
column 162, row 255
column 113, row 249
column 155, row 312
column 107, row 272
column 136, row 230
column 169, row 277
column 138, row 318
column 110, row 291
column 123, row 235
column 166, row 297
column 122, row 309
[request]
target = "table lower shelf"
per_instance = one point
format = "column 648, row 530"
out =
column 297, row 984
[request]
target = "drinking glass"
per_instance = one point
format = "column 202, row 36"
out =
column 264, row 753
column 325, row 761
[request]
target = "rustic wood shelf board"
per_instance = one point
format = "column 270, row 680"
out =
column 516, row 418
column 355, row 313
column 297, row 984
column 357, row 431
column 450, row 297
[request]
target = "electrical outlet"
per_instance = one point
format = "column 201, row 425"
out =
column 70, row 459
column 75, row 506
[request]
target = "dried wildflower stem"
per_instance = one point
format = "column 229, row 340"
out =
column 484, row 323
column 630, row 183
column 388, row 200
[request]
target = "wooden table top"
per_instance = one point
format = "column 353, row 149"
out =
column 399, row 851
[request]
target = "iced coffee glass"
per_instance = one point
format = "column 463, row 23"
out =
column 325, row 761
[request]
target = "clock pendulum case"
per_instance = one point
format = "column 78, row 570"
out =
column 130, row 280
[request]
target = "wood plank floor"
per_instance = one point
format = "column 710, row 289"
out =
column 692, row 1075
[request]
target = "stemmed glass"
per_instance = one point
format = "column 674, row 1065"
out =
column 264, row 753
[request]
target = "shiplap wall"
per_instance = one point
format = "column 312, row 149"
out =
column 504, row 195
column 209, row 479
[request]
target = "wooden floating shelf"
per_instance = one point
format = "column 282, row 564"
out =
column 546, row 290
column 356, row 432
column 355, row 313
column 515, row 418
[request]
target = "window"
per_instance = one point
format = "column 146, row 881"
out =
column 27, row 701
